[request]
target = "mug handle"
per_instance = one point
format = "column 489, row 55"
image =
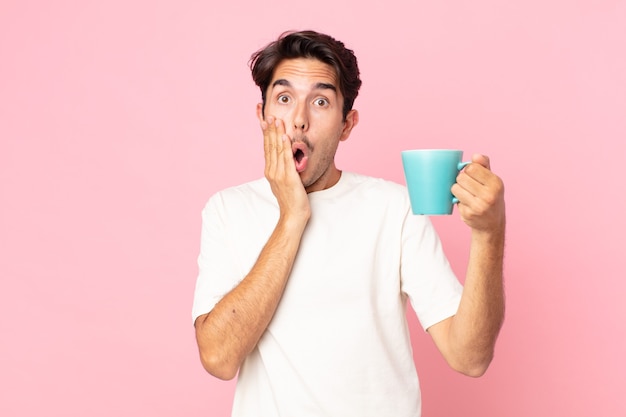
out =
column 460, row 166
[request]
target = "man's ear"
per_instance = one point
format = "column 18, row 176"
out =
column 352, row 119
column 259, row 112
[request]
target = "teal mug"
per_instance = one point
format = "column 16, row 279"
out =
column 430, row 174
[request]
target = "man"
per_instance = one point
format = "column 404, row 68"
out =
column 305, row 274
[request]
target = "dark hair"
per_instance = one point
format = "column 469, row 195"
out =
column 308, row 44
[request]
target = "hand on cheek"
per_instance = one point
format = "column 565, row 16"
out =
column 280, row 169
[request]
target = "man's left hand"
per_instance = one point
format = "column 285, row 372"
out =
column 481, row 196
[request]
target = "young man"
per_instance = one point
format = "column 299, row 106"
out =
column 305, row 274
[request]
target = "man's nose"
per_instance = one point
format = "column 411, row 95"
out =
column 300, row 118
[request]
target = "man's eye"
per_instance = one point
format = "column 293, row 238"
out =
column 283, row 99
column 321, row 102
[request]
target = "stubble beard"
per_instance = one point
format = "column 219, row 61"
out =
column 316, row 170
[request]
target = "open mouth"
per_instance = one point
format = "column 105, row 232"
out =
column 299, row 156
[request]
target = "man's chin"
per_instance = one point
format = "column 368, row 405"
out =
column 307, row 182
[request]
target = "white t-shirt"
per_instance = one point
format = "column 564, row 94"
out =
column 338, row 344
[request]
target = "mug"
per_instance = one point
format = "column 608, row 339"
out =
column 430, row 174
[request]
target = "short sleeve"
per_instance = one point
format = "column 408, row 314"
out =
column 217, row 272
column 427, row 277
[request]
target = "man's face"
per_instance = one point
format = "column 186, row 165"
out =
column 304, row 94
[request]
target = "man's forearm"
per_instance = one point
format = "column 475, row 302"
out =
column 232, row 329
column 475, row 327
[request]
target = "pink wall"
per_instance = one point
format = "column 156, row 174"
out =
column 118, row 120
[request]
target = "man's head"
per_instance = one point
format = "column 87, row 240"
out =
column 308, row 44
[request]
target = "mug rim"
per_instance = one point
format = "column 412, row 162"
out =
column 432, row 150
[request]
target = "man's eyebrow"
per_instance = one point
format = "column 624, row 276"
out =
column 317, row 86
column 281, row 81
column 325, row 86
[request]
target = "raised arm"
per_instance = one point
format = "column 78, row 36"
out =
column 467, row 340
column 232, row 329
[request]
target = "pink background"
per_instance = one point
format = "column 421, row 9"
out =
column 119, row 119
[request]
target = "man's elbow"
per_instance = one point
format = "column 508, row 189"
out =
column 218, row 367
column 215, row 360
column 473, row 366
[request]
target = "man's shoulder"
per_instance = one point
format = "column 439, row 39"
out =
column 250, row 191
column 374, row 192
column 379, row 184
column 257, row 186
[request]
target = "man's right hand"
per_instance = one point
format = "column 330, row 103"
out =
column 280, row 171
column 233, row 328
